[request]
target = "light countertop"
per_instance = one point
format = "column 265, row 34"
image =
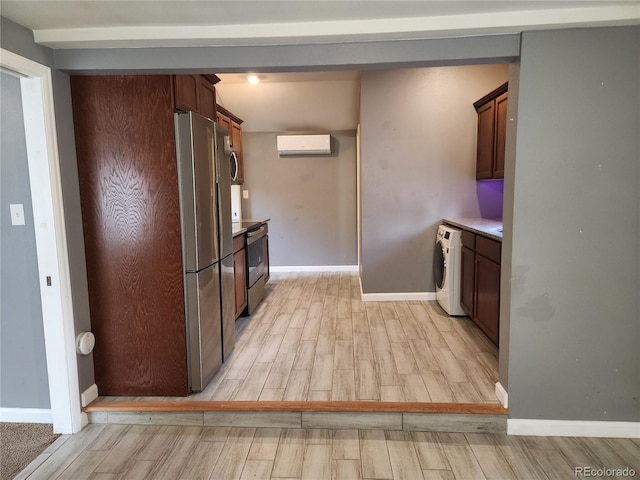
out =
column 483, row 226
column 246, row 224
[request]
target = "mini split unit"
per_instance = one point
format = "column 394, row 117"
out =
column 304, row 144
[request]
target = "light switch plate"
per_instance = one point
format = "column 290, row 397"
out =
column 245, row 194
column 17, row 213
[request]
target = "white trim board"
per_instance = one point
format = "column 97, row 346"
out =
column 51, row 241
column 314, row 268
column 573, row 428
column 502, row 395
column 26, row 415
column 395, row 297
column 398, row 296
column 89, row 395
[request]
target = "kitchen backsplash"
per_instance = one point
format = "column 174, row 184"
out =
column 236, row 203
column 490, row 198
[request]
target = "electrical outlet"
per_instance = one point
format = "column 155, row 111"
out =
column 17, row 213
column 245, row 194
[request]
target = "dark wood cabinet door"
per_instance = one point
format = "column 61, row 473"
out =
column 233, row 125
column 486, row 144
column 240, row 276
column 501, row 135
column 186, row 92
column 225, row 121
column 467, row 268
column 236, row 143
column 487, row 300
column 206, row 98
column 128, row 179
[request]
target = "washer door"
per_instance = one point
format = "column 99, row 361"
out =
column 439, row 264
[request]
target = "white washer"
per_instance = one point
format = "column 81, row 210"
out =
column 446, row 269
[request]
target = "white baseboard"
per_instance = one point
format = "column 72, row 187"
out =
column 398, row 297
column 573, row 428
column 314, row 268
column 85, row 420
column 395, row 297
column 366, row 297
column 89, row 395
column 26, row 415
column 502, row 395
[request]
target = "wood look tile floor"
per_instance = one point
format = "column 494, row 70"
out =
column 105, row 452
column 312, row 338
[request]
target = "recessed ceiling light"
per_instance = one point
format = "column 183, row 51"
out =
column 253, row 79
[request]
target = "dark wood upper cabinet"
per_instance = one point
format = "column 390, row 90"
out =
column 207, row 98
column 486, row 141
column 501, row 134
column 236, row 141
column 186, row 92
column 223, row 120
column 196, row 93
column 233, row 124
column 492, row 126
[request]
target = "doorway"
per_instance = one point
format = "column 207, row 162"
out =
column 50, row 237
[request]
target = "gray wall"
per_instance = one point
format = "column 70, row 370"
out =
column 574, row 307
column 301, row 57
column 418, row 166
column 311, row 200
column 507, row 222
column 20, row 41
column 23, row 365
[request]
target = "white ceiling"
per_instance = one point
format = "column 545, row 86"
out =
column 88, row 24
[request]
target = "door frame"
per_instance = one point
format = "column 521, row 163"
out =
column 51, row 240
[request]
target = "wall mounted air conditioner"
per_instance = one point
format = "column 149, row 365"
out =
column 304, row 144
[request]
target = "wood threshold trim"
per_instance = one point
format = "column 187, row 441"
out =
column 253, row 406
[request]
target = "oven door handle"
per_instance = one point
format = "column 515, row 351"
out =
column 254, row 235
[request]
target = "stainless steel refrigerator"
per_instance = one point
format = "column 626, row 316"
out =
column 205, row 214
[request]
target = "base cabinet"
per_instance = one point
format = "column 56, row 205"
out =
column 243, row 256
column 240, row 274
column 487, row 293
column 468, row 268
column 480, row 284
column 265, row 252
